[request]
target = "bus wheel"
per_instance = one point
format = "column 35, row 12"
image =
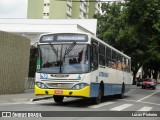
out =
column 121, row 96
column 99, row 97
column 58, row 99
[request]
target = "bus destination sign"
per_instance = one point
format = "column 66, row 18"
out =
column 64, row 37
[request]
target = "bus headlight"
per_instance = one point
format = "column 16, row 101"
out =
column 79, row 86
column 41, row 85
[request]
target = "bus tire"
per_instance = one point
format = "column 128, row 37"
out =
column 58, row 99
column 121, row 96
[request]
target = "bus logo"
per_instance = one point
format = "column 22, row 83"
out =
column 43, row 76
column 79, row 77
column 103, row 74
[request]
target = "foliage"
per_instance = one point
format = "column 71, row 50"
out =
column 144, row 16
column 133, row 27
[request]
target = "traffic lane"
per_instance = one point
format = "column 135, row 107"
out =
column 49, row 105
column 137, row 93
column 69, row 104
column 79, row 104
column 155, row 98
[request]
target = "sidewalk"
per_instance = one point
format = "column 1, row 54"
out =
column 28, row 96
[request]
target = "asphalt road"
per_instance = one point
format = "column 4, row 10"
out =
column 137, row 99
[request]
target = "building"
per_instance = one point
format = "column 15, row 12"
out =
column 33, row 28
column 62, row 9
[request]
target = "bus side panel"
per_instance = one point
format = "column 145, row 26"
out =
column 109, row 89
column 120, row 79
column 94, row 83
column 126, row 78
column 94, row 87
column 128, row 81
column 110, row 85
column 127, row 87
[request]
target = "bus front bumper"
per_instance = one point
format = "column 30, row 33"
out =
column 64, row 92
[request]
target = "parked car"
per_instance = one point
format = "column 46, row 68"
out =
column 139, row 82
column 149, row 83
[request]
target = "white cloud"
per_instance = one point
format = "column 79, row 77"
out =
column 13, row 8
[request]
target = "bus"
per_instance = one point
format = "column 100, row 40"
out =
column 80, row 65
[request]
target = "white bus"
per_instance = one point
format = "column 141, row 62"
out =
column 80, row 65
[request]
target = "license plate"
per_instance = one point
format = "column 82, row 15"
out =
column 58, row 92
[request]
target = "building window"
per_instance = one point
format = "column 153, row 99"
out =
column 46, row 4
column 68, row 16
column 84, row 15
column 69, row 8
column 45, row 14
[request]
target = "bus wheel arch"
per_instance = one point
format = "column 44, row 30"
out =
column 100, row 93
column 121, row 95
column 102, row 88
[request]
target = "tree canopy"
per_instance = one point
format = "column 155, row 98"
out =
column 133, row 27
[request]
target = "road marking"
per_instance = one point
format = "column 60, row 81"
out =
column 121, row 107
column 7, row 103
column 145, row 109
column 147, row 96
column 101, row 105
column 141, row 102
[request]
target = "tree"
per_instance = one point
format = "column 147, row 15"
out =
column 109, row 23
column 144, row 16
column 133, row 27
column 113, row 29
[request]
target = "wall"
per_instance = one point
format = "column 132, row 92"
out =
column 35, row 9
column 75, row 10
column 57, row 9
column 91, row 10
column 14, row 62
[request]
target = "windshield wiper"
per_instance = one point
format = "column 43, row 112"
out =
column 67, row 51
column 70, row 48
column 54, row 50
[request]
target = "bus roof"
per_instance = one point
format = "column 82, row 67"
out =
column 91, row 36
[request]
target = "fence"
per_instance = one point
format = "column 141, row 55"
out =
column 29, row 83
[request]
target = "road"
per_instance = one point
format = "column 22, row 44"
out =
column 136, row 99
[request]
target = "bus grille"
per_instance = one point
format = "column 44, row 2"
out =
column 60, row 85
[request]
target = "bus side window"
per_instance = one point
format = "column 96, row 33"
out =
column 102, row 55
column 94, row 56
column 127, row 65
column 124, row 64
column 114, row 60
column 108, row 57
column 119, row 62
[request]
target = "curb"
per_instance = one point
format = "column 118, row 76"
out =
column 37, row 99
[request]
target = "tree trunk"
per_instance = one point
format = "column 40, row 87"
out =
column 155, row 74
column 134, row 78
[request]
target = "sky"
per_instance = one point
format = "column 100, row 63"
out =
column 15, row 8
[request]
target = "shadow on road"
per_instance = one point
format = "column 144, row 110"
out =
column 81, row 102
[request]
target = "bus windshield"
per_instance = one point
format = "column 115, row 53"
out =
column 64, row 58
